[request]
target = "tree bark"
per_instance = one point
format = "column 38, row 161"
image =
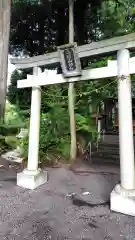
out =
column 71, row 93
column 5, row 10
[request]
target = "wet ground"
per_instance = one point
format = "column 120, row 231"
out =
column 53, row 212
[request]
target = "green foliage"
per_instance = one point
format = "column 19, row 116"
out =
column 3, row 145
column 63, row 148
column 20, row 97
column 12, row 141
column 55, row 135
column 39, row 29
column 86, row 125
column 33, row 29
column 43, row 25
column 8, row 130
column 13, row 120
column 12, row 116
column 53, row 125
column 23, row 144
column 25, row 1
column 117, row 18
column 86, row 130
column 2, row 141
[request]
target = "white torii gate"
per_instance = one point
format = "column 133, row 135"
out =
column 123, row 196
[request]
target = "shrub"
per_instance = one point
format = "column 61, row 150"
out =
column 63, row 148
column 13, row 121
column 3, row 145
column 54, row 130
column 12, row 116
column 86, row 129
column 12, row 141
column 2, row 141
column 20, row 97
column 55, row 135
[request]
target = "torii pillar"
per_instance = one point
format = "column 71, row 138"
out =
column 123, row 196
column 33, row 177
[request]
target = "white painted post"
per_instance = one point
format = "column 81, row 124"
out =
column 32, row 177
column 127, row 165
column 122, row 198
column 34, row 126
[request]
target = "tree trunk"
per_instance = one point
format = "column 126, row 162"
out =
column 71, row 93
column 5, row 9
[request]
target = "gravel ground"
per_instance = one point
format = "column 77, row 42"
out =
column 50, row 212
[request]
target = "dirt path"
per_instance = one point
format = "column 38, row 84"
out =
column 51, row 213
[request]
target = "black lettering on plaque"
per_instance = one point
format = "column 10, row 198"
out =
column 69, row 59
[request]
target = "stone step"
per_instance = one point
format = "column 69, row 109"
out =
column 107, row 151
column 105, row 161
column 106, row 148
column 105, row 155
column 109, row 145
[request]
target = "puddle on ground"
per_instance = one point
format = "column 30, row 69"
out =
column 80, row 202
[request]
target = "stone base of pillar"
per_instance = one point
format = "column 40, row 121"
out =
column 123, row 201
column 31, row 179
